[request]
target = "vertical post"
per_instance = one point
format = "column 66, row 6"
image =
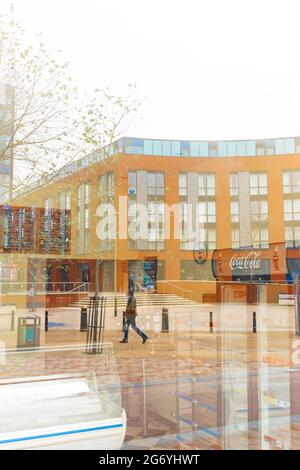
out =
column 46, row 320
column 211, row 322
column 116, row 305
column 12, row 321
column 254, row 322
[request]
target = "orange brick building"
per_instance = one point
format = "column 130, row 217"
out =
column 241, row 196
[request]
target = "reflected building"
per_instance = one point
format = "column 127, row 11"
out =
column 236, row 197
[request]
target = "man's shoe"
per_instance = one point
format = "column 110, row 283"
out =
column 123, row 341
column 145, row 339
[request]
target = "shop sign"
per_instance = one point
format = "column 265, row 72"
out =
column 251, row 261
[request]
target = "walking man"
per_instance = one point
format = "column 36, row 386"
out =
column 130, row 319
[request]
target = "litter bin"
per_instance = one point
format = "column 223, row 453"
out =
column 83, row 319
column 165, row 320
column 29, row 329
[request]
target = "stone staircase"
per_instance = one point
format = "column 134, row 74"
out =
column 143, row 300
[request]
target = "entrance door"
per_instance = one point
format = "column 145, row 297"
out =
column 142, row 274
column 84, row 272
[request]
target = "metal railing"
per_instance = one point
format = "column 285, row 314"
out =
column 39, row 288
column 176, row 290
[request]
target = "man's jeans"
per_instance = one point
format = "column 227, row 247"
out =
column 130, row 320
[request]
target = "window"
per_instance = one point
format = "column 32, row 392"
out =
column 259, row 211
column 65, row 200
column 207, row 212
column 156, row 213
column 235, row 238
column 258, row 184
column 182, row 184
column 155, row 184
column 291, row 182
column 106, row 187
column 292, row 209
column 206, row 184
column 235, row 211
column 83, row 218
column 132, row 183
column 260, row 237
column 292, row 237
column 234, row 184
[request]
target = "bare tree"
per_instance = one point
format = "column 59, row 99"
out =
column 42, row 129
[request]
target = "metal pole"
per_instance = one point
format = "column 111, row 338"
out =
column 46, row 320
column 12, row 320
column 254, row 322
column 211, row 322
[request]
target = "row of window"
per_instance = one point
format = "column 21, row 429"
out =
column 233, row 148
column 155, row 186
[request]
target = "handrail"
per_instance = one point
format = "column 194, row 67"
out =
column 177, row 287
column 43, row 287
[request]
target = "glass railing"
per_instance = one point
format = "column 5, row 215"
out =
column 173, row 148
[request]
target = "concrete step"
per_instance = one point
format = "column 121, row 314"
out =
column 143, row 300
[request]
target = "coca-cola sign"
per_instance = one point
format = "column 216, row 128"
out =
column 245, row 263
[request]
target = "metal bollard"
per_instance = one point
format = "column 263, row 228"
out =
column 83, row 319
column 12, row 321
column 46, row 320
column 165, row 320
column 211, row 322
column 254, row 322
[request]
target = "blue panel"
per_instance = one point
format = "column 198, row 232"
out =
column 185, row 148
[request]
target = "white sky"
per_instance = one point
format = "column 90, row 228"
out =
column 209, row 69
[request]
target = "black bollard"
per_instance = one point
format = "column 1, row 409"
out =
column 254, row 322
column 12, row 321
column 165, row 320
column 83, row 319
column 211, row 322
column 46, row 320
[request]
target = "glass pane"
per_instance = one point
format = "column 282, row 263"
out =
column 279, row 146
column 175, row 149
column 290, row 145
column 210, row 181
column 166, row 148
column 148, row 147
column 241, row 148
column 157, row 147
column 231, row 149
column 251, row 147
column 203, row 149
column 194, row 149
column 222, row 149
